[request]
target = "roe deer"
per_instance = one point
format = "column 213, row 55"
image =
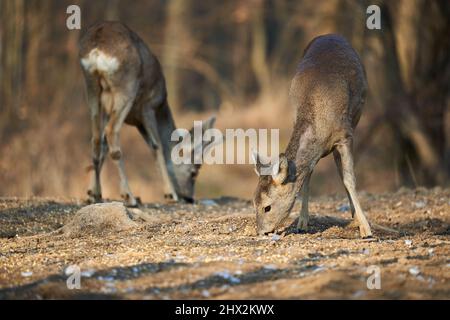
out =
column 328, row 92
column 125, row 83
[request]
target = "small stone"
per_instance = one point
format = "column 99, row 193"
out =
column 408, row 243
column 344, row 208
column 208, row 203
column 275, row 237
column 27, row 274
column 227, row 276
column 318, row 268
column 270, row 267
column 206, row 293
column 414, row 271
column 359, row 294
column 106, row 278
column 88, row 273
column 420, row 204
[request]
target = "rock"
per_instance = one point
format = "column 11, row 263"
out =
column 88, row 273
column 414, row 271
column 228, row 276
column 208, row 203
column 275, row 237
column 359, row 294
column 270, row 267
column 206, row 293
column 318, row 268
column 99, row 218
column 420, row 204
column 343, row 208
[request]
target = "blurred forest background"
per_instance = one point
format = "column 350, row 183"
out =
column 232, row 58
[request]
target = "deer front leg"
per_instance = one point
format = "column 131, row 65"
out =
column 348, row 174
column 152, row 137
column 338, row 161
column 303, row 219
column 121, row 107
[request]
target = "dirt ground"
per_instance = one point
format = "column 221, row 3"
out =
column 210, row 250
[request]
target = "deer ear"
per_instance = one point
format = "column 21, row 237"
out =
column 209, row 123
column 262, row 164
column 255, row 158
column 199, row 148
column 206, row 125
column 280, row 170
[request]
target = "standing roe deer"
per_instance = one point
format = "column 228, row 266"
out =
column 125, row 83
column 328, row 91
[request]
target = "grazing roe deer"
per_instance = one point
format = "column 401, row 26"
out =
column 328, row 92
column 125, row 83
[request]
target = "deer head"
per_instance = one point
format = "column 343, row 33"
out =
column 186, row 174
column 275, row 193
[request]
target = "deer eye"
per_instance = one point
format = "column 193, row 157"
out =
column 267, row 209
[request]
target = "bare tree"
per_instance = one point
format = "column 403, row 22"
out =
column 13, row 23
column 176, row 40
column 414, row 104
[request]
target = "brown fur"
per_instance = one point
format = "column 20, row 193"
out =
column 328, row 92
column 136, row 94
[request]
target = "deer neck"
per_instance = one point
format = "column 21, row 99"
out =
column 165, row 127
column 303, row 151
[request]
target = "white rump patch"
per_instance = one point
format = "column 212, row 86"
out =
column 97, row 60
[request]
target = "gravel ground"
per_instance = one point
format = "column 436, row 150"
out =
column 210, row 250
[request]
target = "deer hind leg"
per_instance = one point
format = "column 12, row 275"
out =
column 151, row 136
column 93, row 98
column 94, row 190
column 122, row 103
column 338, row 161
column 345, row 153
column 303, row 219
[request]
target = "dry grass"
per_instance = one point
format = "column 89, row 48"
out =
column 202, row 251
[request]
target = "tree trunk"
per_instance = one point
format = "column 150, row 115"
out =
column 417, row 122
column 12, row 20
column 176, row 38
column 259, row 46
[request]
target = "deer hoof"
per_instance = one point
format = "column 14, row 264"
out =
column 93, row 198
column 365, row 232
column 302, row 224
column 171, row 197
column 129, row 200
